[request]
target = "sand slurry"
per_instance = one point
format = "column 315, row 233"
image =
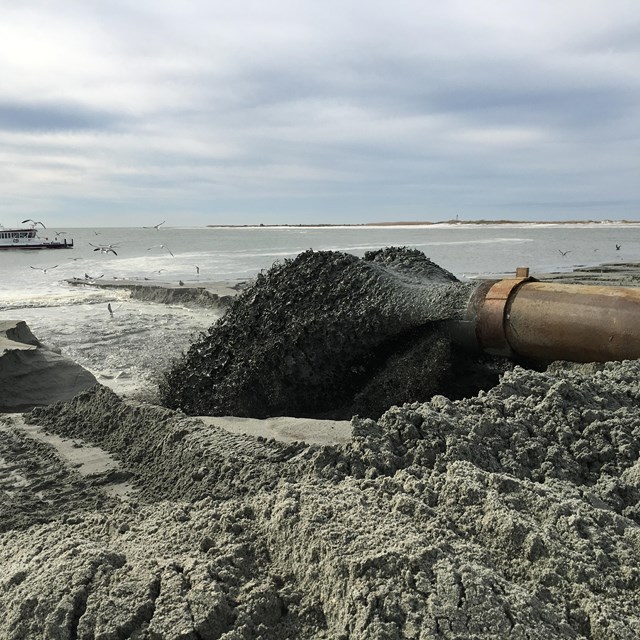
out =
column 510, row 514
column 328, row 334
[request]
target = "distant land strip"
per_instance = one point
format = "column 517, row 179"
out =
column 416, row 223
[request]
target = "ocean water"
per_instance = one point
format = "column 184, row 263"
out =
column 237, row 253
column 141, row 338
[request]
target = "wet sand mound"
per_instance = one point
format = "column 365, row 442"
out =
column 214, row 295
column 327, row 334
column 510, row 514
column 31, row 374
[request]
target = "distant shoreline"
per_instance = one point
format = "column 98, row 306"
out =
column 441, row 223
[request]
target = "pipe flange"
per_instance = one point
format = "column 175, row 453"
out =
column 491, row 316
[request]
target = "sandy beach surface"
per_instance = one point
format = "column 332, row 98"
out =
column 510, row 514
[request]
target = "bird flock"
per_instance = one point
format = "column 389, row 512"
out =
column 106, row 249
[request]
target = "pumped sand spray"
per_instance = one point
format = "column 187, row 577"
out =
column 329, row 334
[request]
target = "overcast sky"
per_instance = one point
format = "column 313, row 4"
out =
column 296, row 111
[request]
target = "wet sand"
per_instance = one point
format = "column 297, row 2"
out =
column 513, row 513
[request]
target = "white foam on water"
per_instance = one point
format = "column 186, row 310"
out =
column 127, row 349
column 73, row 297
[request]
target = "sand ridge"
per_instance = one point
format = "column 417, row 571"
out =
column 511, row 514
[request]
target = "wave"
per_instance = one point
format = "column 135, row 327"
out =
column 45, row 300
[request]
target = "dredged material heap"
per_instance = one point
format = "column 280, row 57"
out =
column 325, row 334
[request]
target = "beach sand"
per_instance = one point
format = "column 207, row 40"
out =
column 513, row 513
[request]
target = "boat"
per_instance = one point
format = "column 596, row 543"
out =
column 29, row 238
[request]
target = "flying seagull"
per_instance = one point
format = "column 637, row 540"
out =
column 105, row 248
column 564, row 253
column 44, row 269
column 110, row 309
column 155, row 226
column 33, row 222
column 162, row 246
column 88, row 277
column 618, row 247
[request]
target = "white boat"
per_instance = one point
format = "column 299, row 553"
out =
column 29, row 238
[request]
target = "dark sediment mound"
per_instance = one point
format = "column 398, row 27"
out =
column 330, row 334
column 513, row 514
column 216, row 295
column 173, row 295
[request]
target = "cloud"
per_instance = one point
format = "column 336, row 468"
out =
column 52, row 117
column 344, row 110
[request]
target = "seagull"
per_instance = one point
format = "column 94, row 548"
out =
column 88, row 277
column 197, row 269
column 110, row 309
column 155, row 226
column 181, row 283
column 44, row 269
column 33, row 222
column 162, row 246
column 105, row 248
column 564, row 253
column 618, row 247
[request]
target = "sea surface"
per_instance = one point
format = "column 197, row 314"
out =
column 141, row 338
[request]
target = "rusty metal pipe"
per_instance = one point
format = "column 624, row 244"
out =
column 547, row 321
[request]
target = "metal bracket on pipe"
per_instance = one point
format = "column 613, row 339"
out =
column 492, row 314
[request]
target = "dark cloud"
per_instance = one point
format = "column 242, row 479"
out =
column 565, row 107
column 549, row 94
column 16, row 116
column 489, row 90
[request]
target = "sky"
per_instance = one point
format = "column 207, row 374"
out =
column 197, row 112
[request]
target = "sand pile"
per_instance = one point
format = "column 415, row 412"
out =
column 31, row 374
column 510, row 514
column 334, row 335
